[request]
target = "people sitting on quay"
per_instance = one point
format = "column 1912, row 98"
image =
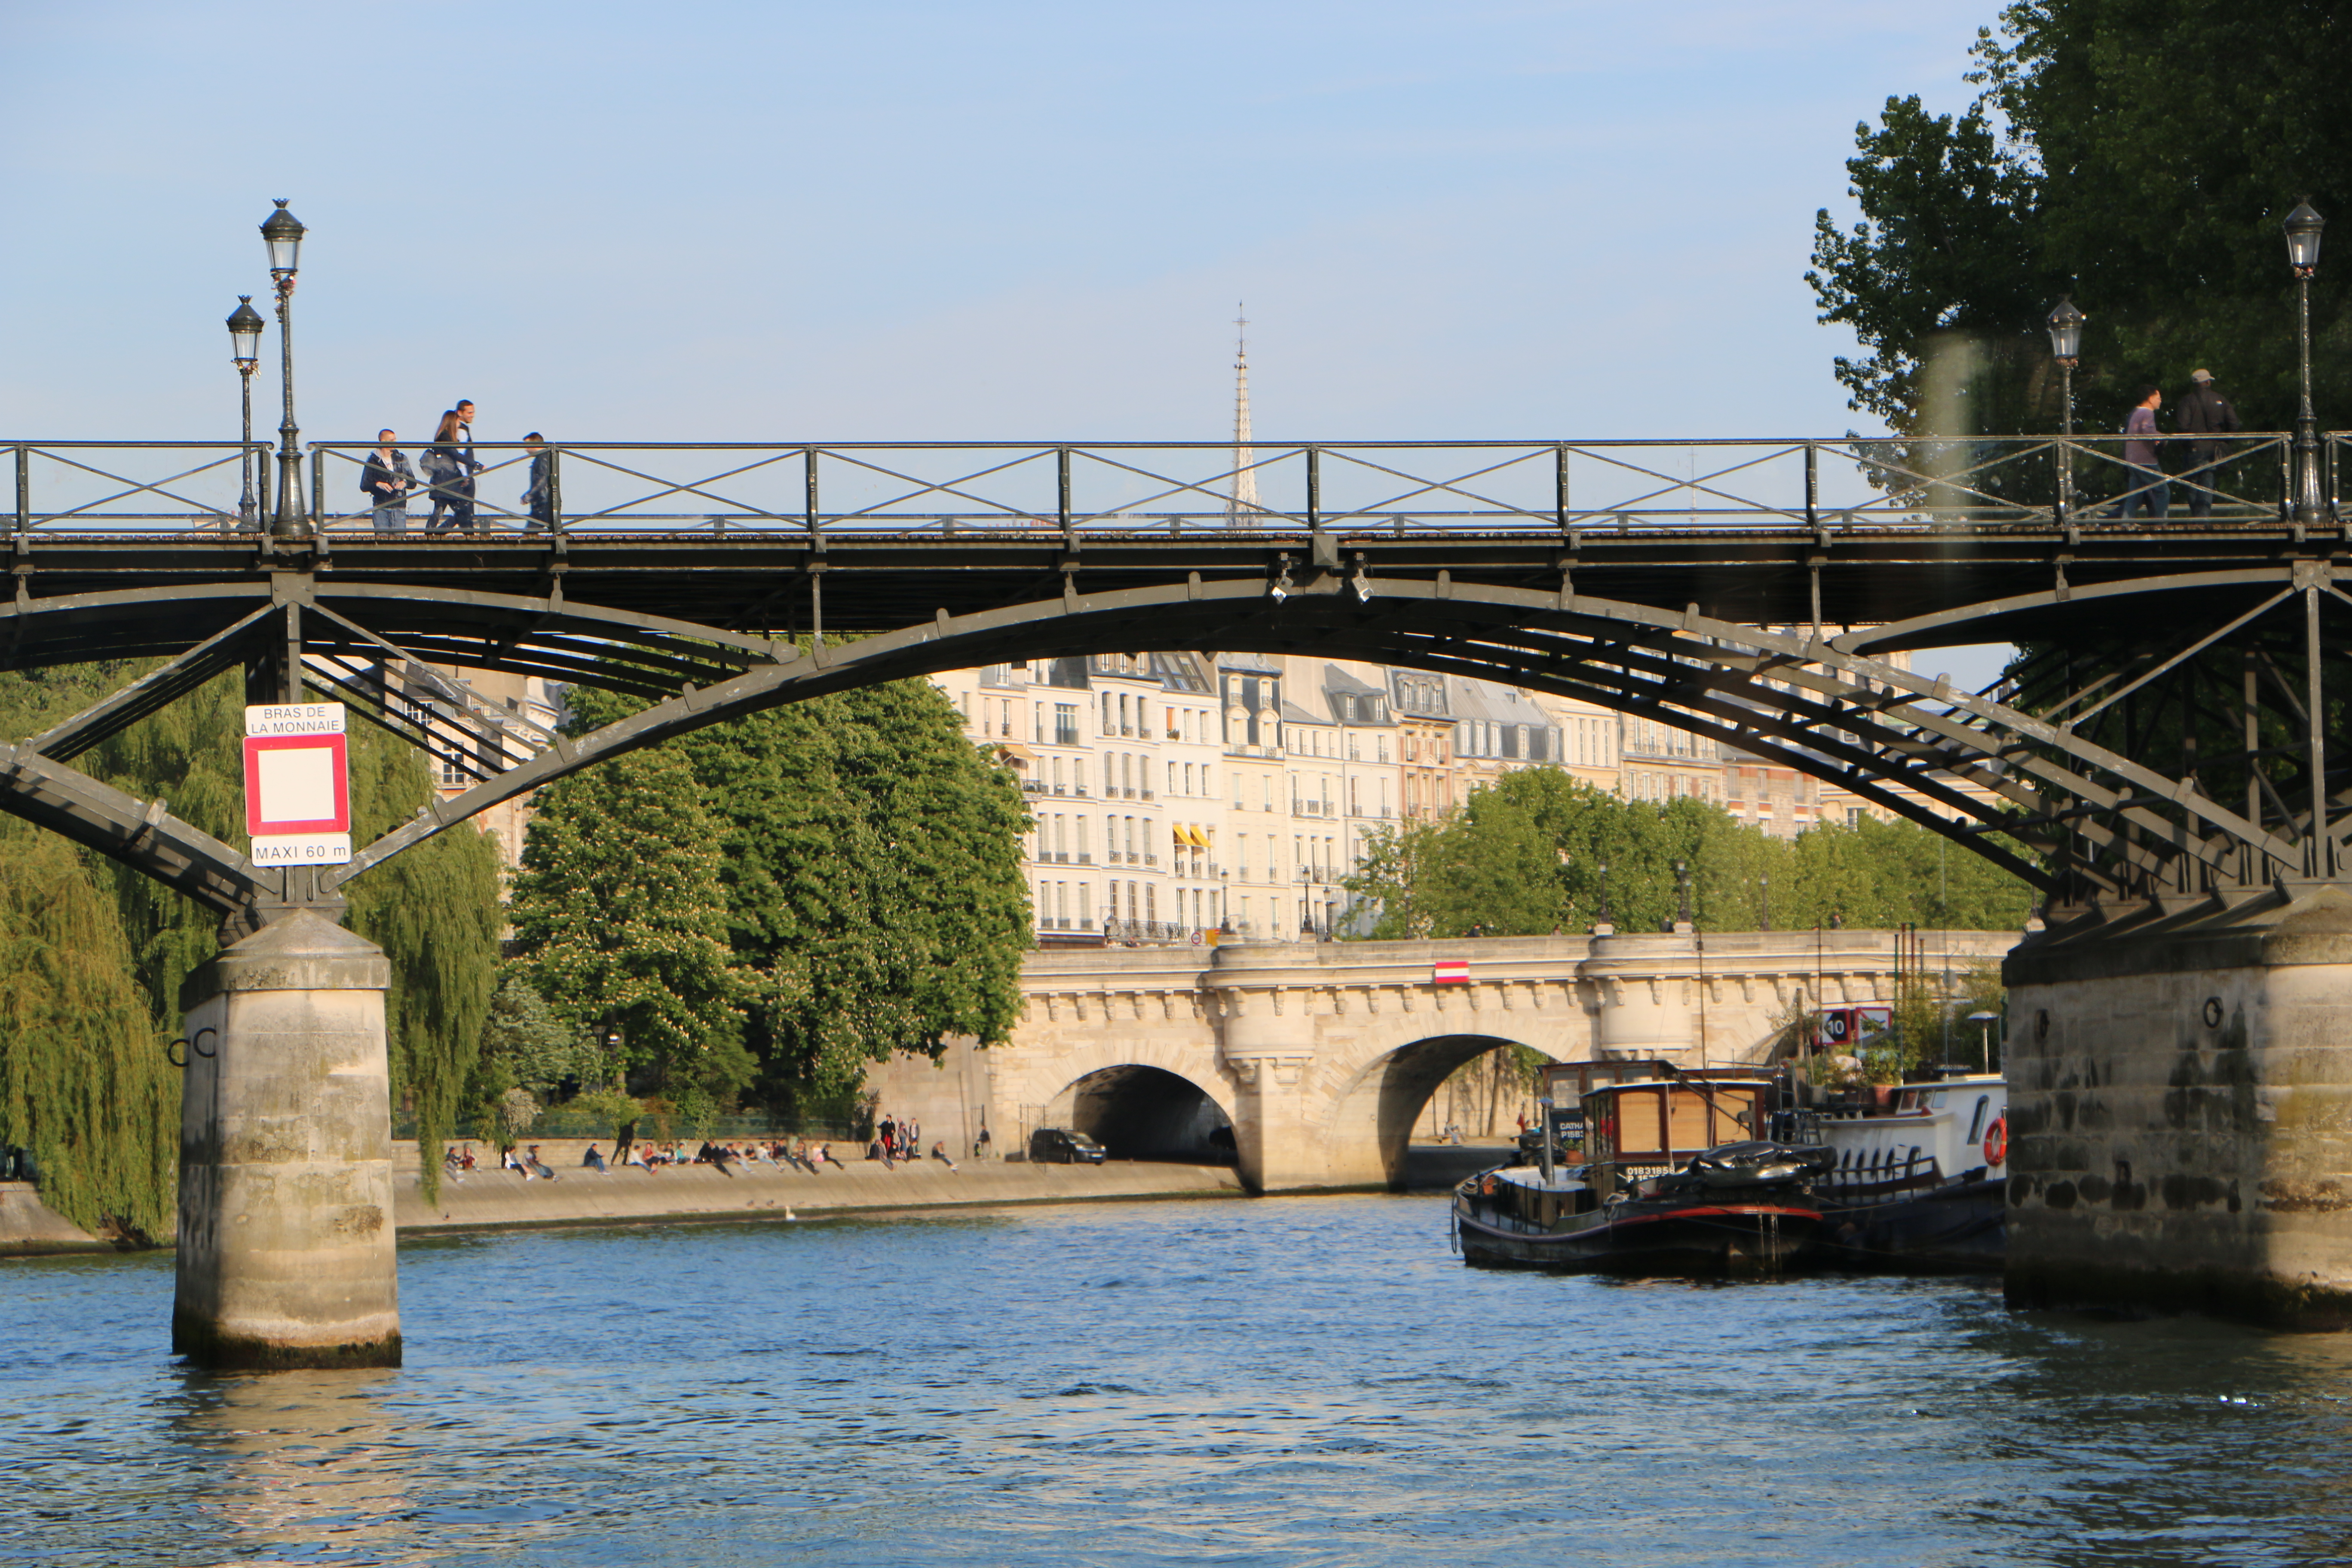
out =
column 940, row 1152
column 593, row 1161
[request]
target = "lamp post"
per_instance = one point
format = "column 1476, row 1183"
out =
column 1764, row 888
column 244, row 325
column 1604, row 927
column 2066, row 347
column 2303, row 226
column 1682, row 888
column 1985, row 1021
column 283, row 234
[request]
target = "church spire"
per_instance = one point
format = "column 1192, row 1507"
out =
column 1242, row 511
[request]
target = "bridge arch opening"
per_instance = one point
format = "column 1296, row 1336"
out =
column 1138, row 1112
column 1380, row 1109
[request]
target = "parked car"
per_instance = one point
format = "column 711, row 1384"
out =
column 1060, row 1146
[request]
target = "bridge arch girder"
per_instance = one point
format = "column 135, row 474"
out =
column 1858, row 720
column 1823, row 707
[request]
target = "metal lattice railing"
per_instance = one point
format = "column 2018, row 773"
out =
column 1853, row 483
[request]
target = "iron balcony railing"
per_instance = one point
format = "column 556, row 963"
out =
column 934, row 488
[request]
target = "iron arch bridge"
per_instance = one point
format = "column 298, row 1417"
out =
column 2169, row 735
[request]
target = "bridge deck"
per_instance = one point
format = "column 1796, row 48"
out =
column 759, row 583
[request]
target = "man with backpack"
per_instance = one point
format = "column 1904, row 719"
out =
column 2205, row 415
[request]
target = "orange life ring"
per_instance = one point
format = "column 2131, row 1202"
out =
column 1487, row 1187
column 1996, row 1143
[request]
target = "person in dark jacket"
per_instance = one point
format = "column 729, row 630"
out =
column 2204, row 415
column 385, row 480
column 539, row 494
column 449, row 464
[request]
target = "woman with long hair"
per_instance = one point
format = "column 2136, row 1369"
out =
column 450, row 465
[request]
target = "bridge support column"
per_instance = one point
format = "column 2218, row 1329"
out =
column 286, row 1234
column 2180, row 1111
column 1278, row 1150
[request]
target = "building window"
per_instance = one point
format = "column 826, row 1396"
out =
column 1065, row 723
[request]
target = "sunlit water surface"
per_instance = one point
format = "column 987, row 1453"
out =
column 1288, row 1381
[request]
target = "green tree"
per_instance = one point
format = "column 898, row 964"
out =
column 620, row 915
column 871, row 864
column 2141, row 156
column 1524, row 857
column 434, row 908
column 84, row 1083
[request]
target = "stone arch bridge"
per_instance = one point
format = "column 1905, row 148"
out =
column 1320, row 1057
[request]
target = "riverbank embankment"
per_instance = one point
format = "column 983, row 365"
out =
column 487, row 1199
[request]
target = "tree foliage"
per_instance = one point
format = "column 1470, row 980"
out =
column 1525, row 857
column 433, row 909
column 2141, row 156
column 870, row 858
column 619, row 918
column 84, row 1083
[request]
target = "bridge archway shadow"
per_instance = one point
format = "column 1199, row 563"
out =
column 1374, row 1113
column 1140, row 1113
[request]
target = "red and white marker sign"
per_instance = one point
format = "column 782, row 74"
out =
column 1450, row 972
column 298, row 795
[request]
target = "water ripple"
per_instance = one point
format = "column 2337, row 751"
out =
column 1293, row 1382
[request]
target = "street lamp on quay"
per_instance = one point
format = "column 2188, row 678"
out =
column 2066, row 348
column 283, row 234
column 1603, row 926
column 1985, row 1021
column 1682, row 888
column 2303, row 226
column 244, row 325
column 1764, row 890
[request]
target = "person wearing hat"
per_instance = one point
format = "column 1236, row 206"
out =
column 2204, row 415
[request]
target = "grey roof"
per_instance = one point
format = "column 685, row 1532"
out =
column 1401, row 681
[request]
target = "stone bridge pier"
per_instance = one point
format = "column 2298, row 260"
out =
column 1317, row 1059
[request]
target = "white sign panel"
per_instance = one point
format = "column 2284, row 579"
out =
column 303, row 849
column 297, row 785
column 294, row 718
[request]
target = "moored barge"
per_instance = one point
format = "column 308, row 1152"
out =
column 1677, row 1184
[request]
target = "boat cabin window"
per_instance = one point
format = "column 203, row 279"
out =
column 1941, row 1096
column 1976, row 1123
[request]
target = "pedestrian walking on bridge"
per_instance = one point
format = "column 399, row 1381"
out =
column 2205, row 415
column 2149, row 493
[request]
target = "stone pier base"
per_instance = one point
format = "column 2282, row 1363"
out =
column 286, row 1199
column 2181, row 1111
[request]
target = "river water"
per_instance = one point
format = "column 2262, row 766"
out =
column 1283, row 1380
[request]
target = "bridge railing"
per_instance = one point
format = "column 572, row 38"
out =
column 946, row 488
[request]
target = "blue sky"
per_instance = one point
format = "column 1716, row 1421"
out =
column 897, row 220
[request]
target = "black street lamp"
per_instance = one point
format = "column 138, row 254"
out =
column 283, row 232
column 1603, row 926
column 1681, row 886
column 1764, row 890
column 244, row 326
column 2066, row 347
column 2303, row 226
